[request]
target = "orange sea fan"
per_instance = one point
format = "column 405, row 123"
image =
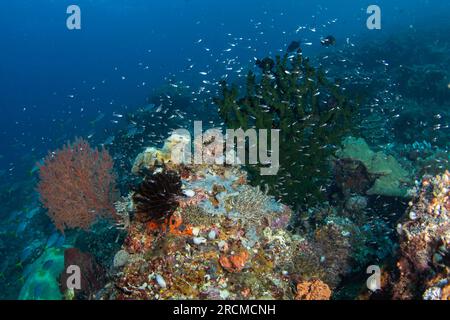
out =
column 77, row 185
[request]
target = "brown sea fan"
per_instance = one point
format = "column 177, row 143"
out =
column 77, row 185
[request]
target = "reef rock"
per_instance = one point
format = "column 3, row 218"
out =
column 390, row 178
column 121, row 258
column 424, row 259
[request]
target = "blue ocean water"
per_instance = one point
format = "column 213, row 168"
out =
column 55, row 80
column 57, row 84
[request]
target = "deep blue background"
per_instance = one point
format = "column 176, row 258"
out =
column 54, row 82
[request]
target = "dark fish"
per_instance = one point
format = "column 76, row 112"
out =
column 265, row 64
column 293, row 46
column 328, row 41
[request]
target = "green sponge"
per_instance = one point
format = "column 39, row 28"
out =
column 42, row 281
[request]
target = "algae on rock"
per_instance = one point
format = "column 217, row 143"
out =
column 391, row 179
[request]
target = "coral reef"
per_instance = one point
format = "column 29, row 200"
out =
column 213, row 231
column 229, row 240
column 423, row 158
column 225, row 240
column 339, row 244
column 77, row 185
column 423, row 262
column 311, row 113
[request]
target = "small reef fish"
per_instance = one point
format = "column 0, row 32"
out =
column 149, row 107
column 293, row 46
column 328, row 41
column 54, row 239
column 109, row 141
column 98, row 118
column 21, row 227
column 31, row 213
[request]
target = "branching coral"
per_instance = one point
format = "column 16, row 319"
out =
column 311, row 113
column 195, row 215
column 124, row 208
column 250, row 202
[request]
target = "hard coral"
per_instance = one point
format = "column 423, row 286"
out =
column 203, row 255
column 234, row 249
column 251, row 203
